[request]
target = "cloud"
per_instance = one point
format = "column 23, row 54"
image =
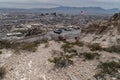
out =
column 27, row 5
column 75, row 3
column 108, row 0
column 86, row 3
column 25, row 0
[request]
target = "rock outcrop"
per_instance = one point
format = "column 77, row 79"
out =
column 106, row 32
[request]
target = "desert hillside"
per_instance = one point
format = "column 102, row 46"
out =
column 95, row 55
column 105, row 32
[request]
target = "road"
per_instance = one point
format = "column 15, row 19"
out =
column 51, row 36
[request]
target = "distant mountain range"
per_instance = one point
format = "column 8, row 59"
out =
column 62, row 9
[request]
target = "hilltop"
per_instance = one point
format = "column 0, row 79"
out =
column 105, row 32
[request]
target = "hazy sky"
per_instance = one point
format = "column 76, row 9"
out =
column 55, row 3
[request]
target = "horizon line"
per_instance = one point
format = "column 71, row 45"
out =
column 58, row 7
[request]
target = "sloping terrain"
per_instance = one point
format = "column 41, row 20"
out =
column 36, row 66
column 90, row 58
column 106, row 32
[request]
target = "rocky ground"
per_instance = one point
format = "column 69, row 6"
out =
column 105, row 32
column 96, row 52
column 35, row 65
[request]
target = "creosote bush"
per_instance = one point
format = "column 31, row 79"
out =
column 68, row 45
column 32, row 47
column 90, row 56
column 46, row 45
column 108, row 69
column 78, row 43
column 95, row 47
column 44, row 41
column 2, row 72
column 115, row 48
column 61, row 61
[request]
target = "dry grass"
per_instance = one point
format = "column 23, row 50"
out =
column 68, row 45
column 0, row 52
column 32, row 47
column 5, row 44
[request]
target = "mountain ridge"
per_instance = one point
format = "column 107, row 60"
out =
column 64, row 9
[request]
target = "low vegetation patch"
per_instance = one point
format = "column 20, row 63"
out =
column 5, row 44
column 90, row 56
column 95, row 47
column 32, row 47
column 0, row 52
column 115, row 48
column 108, row 69
column 47, row 45
column 69, row 45
column 78, row 43
column 72, row 51
column 61, row 61
column 22, row 46
column 44, row 41
column 2, row 72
